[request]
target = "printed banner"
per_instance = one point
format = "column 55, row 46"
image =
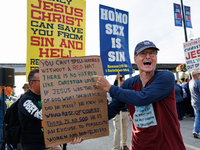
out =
column 177, row 15
column 192, row 54
column 55, row 29
column 72, row 105
column 188, row 22
column 114, row 42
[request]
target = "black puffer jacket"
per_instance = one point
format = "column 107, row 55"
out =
column 30, row 112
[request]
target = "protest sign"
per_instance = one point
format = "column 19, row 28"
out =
column 72, row 105
column 192, row 54
column 144, row 116
column 114, row 43
column 55, row 29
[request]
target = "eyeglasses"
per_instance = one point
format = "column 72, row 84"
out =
column 144, row 54
column 35, row 80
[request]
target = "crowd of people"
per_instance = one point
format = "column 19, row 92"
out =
column 187, row 94
column 153, row 99
column 183, row 99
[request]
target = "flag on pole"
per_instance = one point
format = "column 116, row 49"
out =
column 188, row 22
column 177, row 15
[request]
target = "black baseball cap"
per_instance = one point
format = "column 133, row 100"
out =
column 144, row 45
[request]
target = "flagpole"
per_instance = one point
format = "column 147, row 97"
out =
column 184, row 26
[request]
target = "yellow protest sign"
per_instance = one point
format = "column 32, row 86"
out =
column 55, row 29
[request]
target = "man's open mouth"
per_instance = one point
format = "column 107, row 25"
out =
column 147, row 63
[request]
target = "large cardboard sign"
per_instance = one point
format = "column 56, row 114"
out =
column 72, row 105
column 55, row 29
column 192, row 54
column 114, row 42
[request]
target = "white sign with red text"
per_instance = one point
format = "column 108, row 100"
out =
column 192, row 54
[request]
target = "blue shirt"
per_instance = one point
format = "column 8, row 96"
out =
column 162, row 87
column 194, row 86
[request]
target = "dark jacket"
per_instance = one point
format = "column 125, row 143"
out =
column 187, row 89
column 30, row 112
column 178, row 93
column 1, row 109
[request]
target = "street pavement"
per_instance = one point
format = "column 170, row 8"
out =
column 106, row 143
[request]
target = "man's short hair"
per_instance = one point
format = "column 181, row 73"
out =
column 31, row 75
column 195, row 72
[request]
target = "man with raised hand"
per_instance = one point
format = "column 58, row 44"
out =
column 150, row 99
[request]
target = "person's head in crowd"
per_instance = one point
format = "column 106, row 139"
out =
column 187, row 80
column 182, row 80
column 34, row 81
column 8, row 90
column 25, row 87
column 195, row 74
column 145, row 56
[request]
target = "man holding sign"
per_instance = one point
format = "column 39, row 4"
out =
column 30, row 115
column 151, row 102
